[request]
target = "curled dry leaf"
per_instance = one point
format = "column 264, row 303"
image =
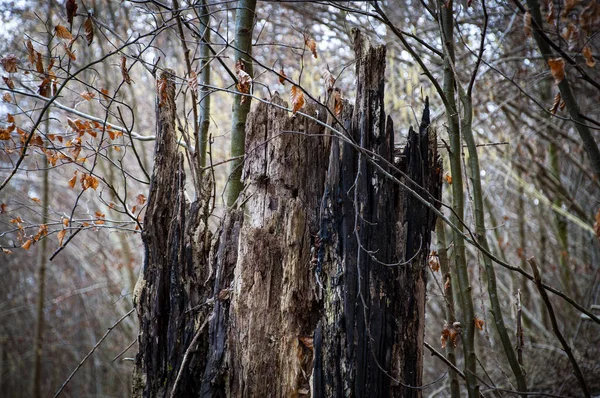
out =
column 479, row 323
column 297, row 99
column 193, row 82
column 338, row 102
column 434, row 261
column 557, row 68
column 282, row 76
column 8, row 81
column 140, row 199
column 449, row 334
column 61, row 235
column 244, row 79
column 39, row 63
column 448, row 178
column 311, row 44
column 69, row 52
column 88, row 95
column 27, row 244
column 328, row 78
column 6, row 251
column 124, row 71
column 550, row 15
column 557, row 103
column 88, row 27
column 6, row 98
column 589, row 57
column 9, row 63
column 527, row 23
column 31, row 53
column 63, row 32
column 71, row 6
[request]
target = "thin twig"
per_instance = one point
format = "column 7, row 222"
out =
column 185, row 357
column 125, row 350
column 559, row 336
column 62, row 387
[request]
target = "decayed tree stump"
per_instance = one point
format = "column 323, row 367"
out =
column 317, row 285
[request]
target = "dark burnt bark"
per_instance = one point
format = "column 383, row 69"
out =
column 169, row 287
column 316, row 287
column 374, row 245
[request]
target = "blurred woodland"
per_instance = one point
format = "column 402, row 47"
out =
column 513, row 270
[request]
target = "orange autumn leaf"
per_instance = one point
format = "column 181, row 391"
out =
column 6, row 98
column 31, row 53
column 479, row 323
column 63, row 32
column 557, row 68
column 65, row 222
column 36, row 200
column 140, row 199
column 448, row 178
column 27, row 244
column 6, row 251
column 73, row 180
column 61, row 235
column 87, row 95
column 297, row 99
column 589, row 57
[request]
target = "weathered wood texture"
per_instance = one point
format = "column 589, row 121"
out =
column 175, row 244
column 316, row 287
column 373, row 253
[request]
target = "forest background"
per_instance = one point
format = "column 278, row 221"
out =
column 79, row 93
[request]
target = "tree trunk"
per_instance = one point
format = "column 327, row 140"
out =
column 318, row 287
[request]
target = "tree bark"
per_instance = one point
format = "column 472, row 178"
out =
column 316, row 286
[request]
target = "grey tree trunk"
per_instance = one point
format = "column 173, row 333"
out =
column 317, row 286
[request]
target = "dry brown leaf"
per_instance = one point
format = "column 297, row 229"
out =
column 6, row 98
column 124, row 71
column 557, row 68
column 140, row 199
column 311, row 44
column 73, row 180
column 36, row 200
column 39, row 63
column 244, row 79
column 105, row 94
column 527, row 23
column 589, row 57
column 88, row 27
column 9, row 83
column 555, row 104
column 63, row 32
column 193, row 82
column 6, row 251
column 65, row 222
column 550, row 15
column 448, row 178
column 88, row 95
column 479, row 323
column 61, row 235
column 69, row 52
column 71, row 6
column 328, row 78
column 31, row 53
column 282, row 76
column 2, row 208
column 27, row 244
column 297, row 99
column 9, row 63
column 338, row 102
column 10, row 118
column 434, row 261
